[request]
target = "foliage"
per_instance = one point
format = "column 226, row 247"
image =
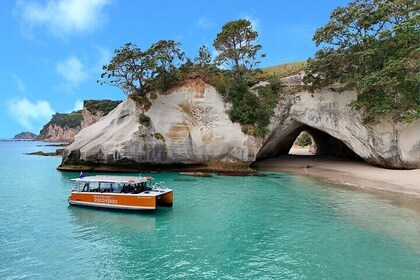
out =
column 254, row 107
column 372, row 46
column 159, row 136
column 137, row 72
column 203, row 59
column 164, row 66
column 284, row 70
column 237, row 46
column 105, row 106
column 304, row 139
column 144, row 119
column 71, row 120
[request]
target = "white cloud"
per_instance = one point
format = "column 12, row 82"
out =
column 62, row 17
column 72, row 71
column 26, row 112
column 78, row 105
column 204, row 22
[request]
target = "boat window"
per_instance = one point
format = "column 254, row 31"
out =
column 106, row 187
column 94, row 186
column 117, row 188
column 85, row 187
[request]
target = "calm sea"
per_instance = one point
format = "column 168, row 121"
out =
column 274, row 227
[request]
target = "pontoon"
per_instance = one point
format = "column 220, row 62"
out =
column 120, row 192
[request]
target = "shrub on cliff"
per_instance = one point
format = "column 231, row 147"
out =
column 144, row 120
column 372, row 46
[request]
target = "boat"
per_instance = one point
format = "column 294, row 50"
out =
column 120, row 192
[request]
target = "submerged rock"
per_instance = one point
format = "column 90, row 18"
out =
column 58, row 152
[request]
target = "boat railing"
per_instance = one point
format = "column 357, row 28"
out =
column 159, row 186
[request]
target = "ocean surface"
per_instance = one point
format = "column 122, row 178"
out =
column 275, row 227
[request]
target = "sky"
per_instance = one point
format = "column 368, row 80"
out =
column 52, row 51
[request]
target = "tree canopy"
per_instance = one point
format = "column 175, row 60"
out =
column 134, row 70
column 203, row 59
column 237, row 45
column 372, row 46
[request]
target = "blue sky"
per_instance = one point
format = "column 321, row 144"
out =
column 52, row 51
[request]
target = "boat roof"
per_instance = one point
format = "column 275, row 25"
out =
column 113, row 179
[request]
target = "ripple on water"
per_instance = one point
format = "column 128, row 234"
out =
column 274, row 227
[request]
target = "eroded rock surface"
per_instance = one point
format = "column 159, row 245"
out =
column 190, row 129
column 387, row 144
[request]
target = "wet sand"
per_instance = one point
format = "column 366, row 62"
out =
column 345, row 172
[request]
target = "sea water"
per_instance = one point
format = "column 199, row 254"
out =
column 275, row 227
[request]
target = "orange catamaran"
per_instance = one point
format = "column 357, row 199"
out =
column 120, row 192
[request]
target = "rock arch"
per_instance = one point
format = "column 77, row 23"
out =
column 339, row 130
column 327, row 145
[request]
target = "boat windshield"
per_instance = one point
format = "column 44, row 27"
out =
column 108, row 187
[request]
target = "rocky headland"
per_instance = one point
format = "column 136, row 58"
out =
column 188, row 128
column 63, row 127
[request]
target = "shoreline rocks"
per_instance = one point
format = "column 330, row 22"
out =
column 58, row 152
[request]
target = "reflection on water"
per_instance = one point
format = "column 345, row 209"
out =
column 111, row 221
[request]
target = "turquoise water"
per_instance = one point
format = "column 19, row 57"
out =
column 275, row 227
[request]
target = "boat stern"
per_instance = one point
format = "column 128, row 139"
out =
column 166, row 199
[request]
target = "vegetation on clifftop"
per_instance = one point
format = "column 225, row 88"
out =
column 105, row 106
column 71, row 120
column 374, row 47
column 370, row 45
column 232, row 72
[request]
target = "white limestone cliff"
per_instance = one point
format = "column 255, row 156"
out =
column 190, row 127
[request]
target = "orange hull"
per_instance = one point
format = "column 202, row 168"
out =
column 121, row 201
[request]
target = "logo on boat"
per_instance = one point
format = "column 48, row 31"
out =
column 104, row 199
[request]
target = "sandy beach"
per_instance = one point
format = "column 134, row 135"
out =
column 346, row 172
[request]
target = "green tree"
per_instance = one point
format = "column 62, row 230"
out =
column 136, row 72
column 373, row 47
column 203, row 59
column 128, row 70
column 304, row 139
column 237, row 46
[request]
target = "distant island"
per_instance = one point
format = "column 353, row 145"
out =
column 25, row 135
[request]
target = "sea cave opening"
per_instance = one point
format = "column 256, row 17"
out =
column 303, row 140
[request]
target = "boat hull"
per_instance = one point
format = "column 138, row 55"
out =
column 121, row 201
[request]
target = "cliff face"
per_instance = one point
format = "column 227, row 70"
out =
column 338, row 130
column 64, row 127
column 190, row 128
